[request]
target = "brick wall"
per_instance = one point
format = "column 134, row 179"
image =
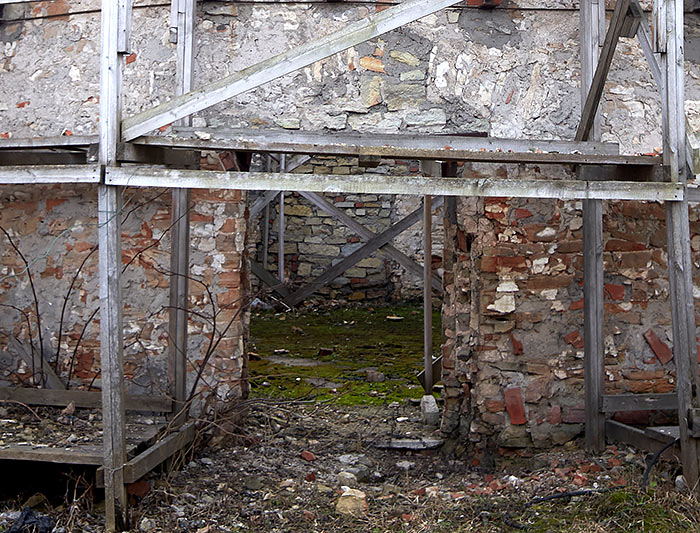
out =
column 513, row 315
column 54, row 227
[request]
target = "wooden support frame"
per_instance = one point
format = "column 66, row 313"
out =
column 185, row 15
column 110, row 260
column 593, row 74
column 382, row 184
column 670, row 12
column 397, row 255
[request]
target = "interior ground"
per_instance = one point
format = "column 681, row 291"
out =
column 276, row 462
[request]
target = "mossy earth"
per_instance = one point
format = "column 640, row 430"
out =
column 323, row 353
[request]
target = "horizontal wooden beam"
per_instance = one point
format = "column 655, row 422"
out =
column 82, row 399
column 619, row 432
column 613, row 403
column 143, row 463
column 407, row 146
column 383, row 184
column 39, row 174
column 62, row 141
column 280, row 65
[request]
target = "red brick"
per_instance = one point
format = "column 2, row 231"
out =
column 554, row 416
column 578, row 304
column 574, row 415
column 616, row 292
column 643, row 375
column 515, row 406
column 519, row 214
column 574, row 339
column 517, row 345
column 660, row 349
column 618, row 245
column 130, row 58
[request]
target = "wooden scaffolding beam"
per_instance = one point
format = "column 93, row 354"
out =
column 110, row 261
column 593, row 74
column 184, row 12
column 668, row 43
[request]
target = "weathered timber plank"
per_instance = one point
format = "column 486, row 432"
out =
column 618, row 432
column 83, row 399
column 613, row 403
column 109, row 206
column 63, row 141
column 678, row 232
column 367, row 249
column 664, row 434
column 397, row 255
column 381, row 184
column 409, row 146
column 143, row 463
column 268, row 279
column 280, row 65
column 40, row 174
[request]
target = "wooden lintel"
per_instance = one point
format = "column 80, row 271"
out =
column 44, row 174
column 83, row 399
column 280, row 65
column 383, row 184
column 404, row 145
column 613, row 403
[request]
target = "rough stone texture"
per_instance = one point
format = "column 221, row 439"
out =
column 54, row 227
column 512, row 268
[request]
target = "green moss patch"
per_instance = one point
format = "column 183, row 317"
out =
column 330, row 353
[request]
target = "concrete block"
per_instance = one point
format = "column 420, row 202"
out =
column 430, row 413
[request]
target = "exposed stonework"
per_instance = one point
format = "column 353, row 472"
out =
column 55, row 228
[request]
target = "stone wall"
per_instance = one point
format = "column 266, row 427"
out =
column 55, row 229
column 513, row 318
column 315, row 240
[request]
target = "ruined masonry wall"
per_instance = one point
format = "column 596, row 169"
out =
column 512, row 267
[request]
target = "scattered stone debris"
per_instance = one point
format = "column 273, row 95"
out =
column 352, row 502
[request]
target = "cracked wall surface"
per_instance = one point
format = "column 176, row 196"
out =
column 512, row 268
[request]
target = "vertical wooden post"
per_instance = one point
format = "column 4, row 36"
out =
column 280, row 233
column 183, row 13
column 434, row 169
column 427, row 294
column 266, row 216
column 592, row 26
column 668, row 42
column 110, row 261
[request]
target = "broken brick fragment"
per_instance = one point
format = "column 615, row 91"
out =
column 661, row 350
column 517, row 345
column 515, row 406
column 574, row 339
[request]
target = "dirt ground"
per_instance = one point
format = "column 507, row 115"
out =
column 285, row 459
column 281, row 473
